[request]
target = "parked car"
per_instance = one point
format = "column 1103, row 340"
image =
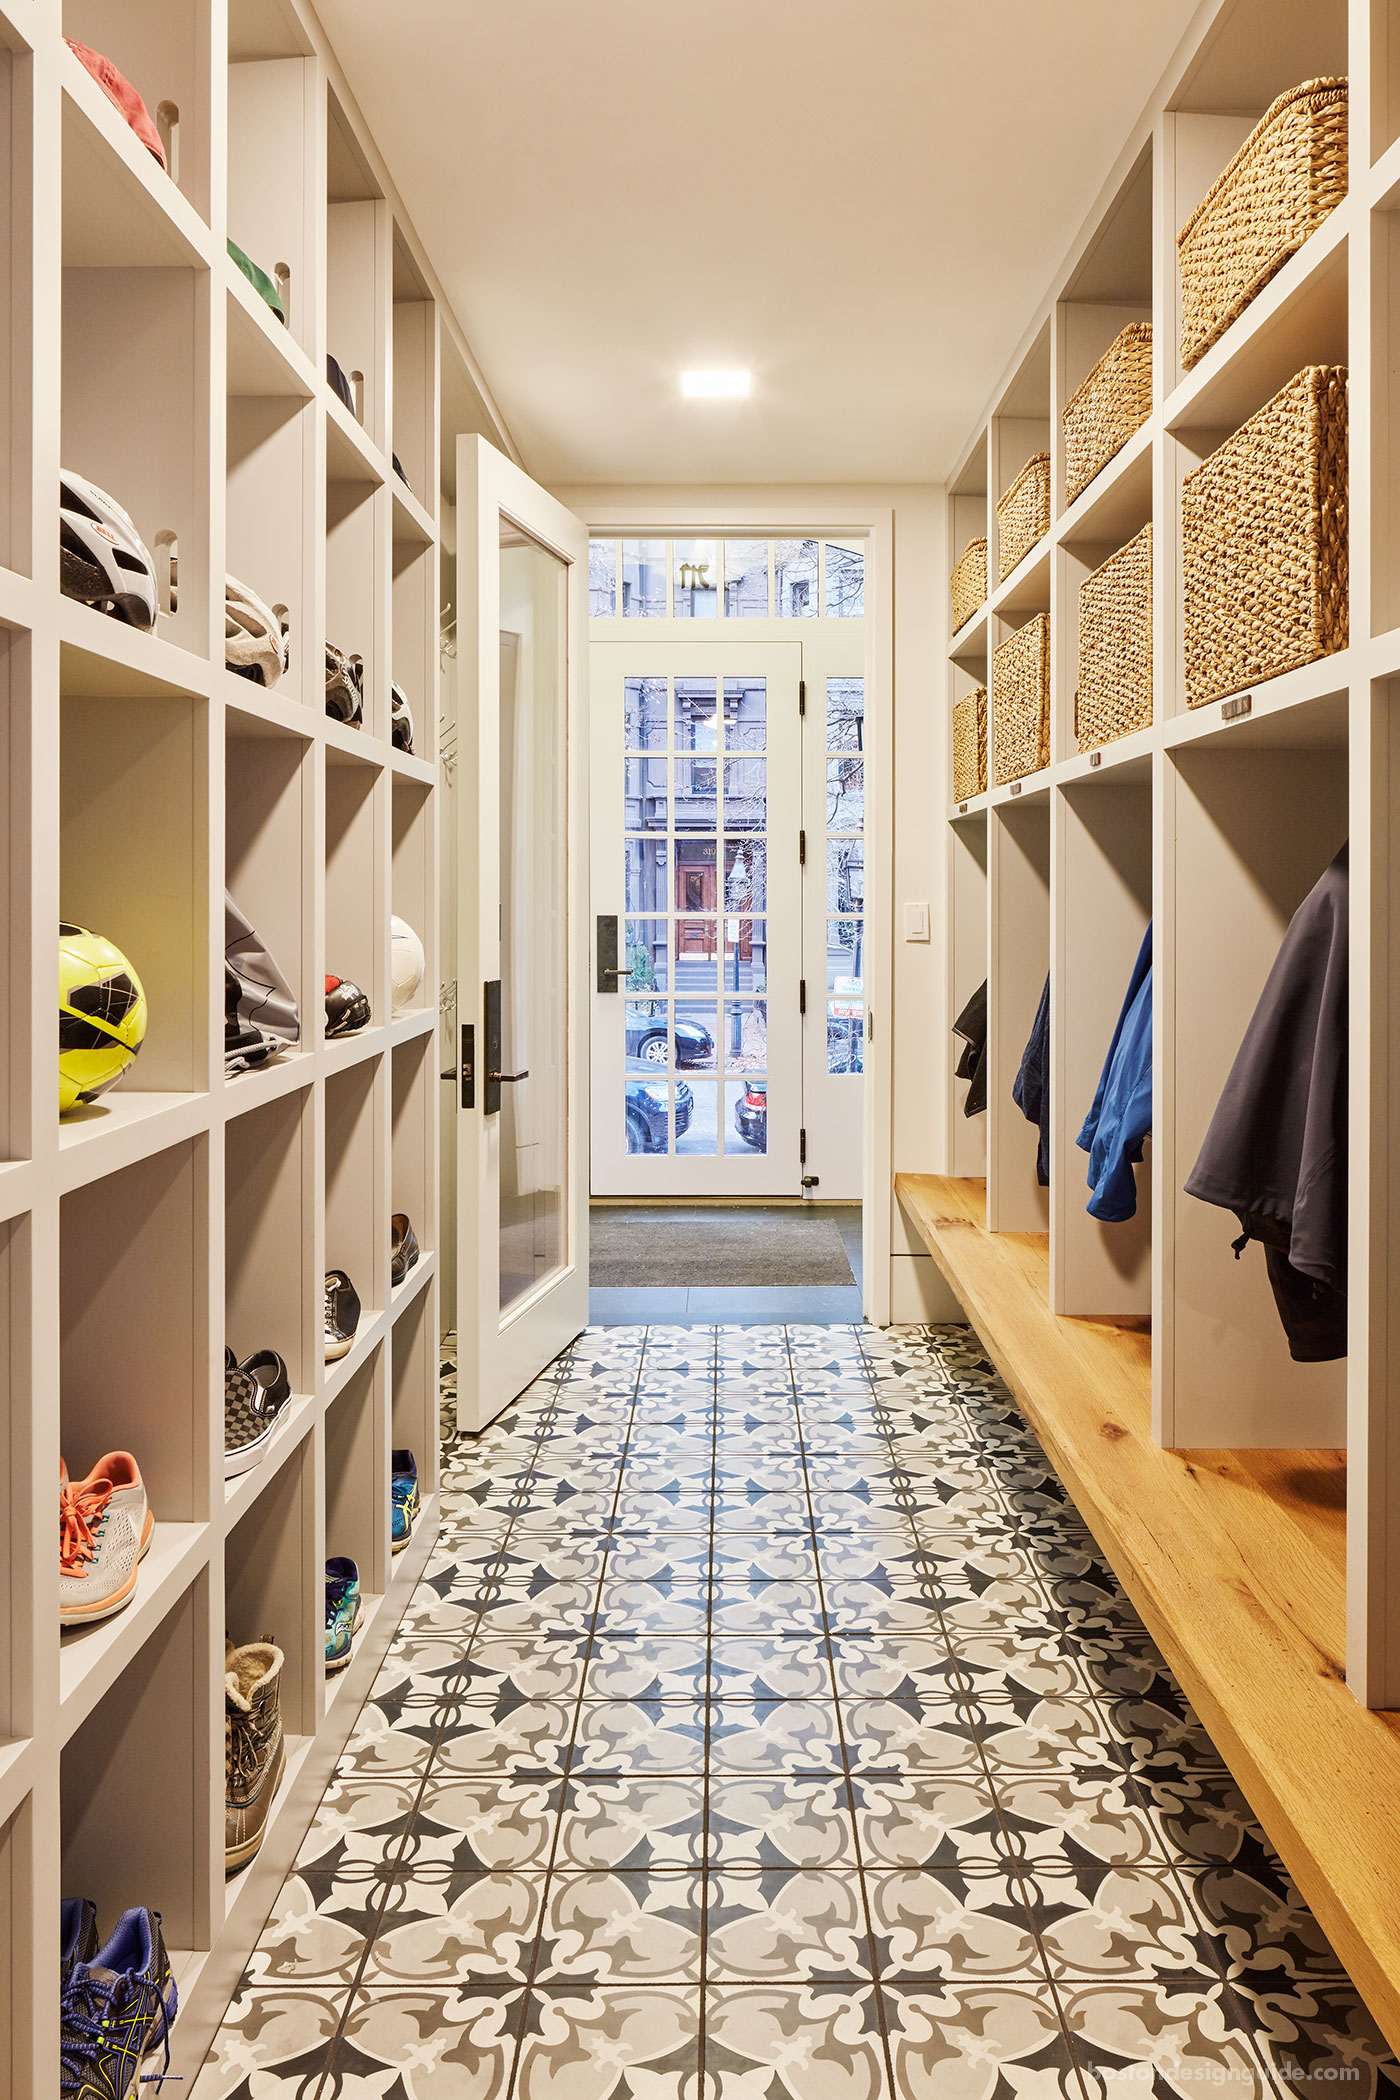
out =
column 649, row 1039
column 647, row 1102
column 751, row 1115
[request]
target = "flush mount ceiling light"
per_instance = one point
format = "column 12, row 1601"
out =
column 715, row 386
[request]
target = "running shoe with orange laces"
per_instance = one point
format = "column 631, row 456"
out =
column 104, row 1529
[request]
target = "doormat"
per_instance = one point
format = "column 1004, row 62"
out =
column 728, row 1250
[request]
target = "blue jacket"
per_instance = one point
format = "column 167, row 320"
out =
column 1031, row 1092
column 1121, row 1116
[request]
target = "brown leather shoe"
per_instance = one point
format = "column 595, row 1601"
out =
column 405, row 1247
column 253, row 1751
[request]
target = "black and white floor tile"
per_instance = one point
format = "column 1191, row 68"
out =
column 766, row 1726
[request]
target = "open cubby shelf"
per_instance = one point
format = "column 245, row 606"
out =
column 141, row 778
column 1214, row 824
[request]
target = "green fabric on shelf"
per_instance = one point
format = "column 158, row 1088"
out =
column 262, row 284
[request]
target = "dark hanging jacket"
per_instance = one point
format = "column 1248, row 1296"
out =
column 1031, row 1093
column 1121, row 1116
column 971, row 1028
column 1276, row 1150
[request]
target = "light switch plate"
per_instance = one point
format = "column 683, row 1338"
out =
column 916, row 922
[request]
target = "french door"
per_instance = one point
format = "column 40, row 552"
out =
column 696, row 854
column 522, row 961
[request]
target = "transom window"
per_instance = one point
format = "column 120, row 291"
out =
column 719, row 579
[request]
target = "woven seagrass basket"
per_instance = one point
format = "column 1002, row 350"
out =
column 1115, row 646
column 1021, row 701
column 1264, row 541
column 1023, row 514
column 969, row 582
column 970, row 745
column 1114, row 401
column 1287, row 176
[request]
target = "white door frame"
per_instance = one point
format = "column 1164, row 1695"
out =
column 874, row 525
column 496, row 1358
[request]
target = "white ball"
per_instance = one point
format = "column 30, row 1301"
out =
column 406, row 963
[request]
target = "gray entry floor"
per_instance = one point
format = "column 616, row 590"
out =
column 767, row 1727
column 751, row 1305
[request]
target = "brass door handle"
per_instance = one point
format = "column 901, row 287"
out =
column 617, row 973
column 507, row 1078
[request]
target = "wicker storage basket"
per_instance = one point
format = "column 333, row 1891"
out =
column 1023, row 514
column 1289, row 173
column 970, row 745
column 1113, row 402
column 1264, row 541
column 1021, row 701
column 969, row 582
column 1115, row 646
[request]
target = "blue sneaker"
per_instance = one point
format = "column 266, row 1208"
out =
column 403, row 1489
column 77, row 1933
column 344, row 1610
column 116, row 2007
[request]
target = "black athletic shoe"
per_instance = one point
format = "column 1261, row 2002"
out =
column 342, row 1314
column 400, row 719
column 347, row 1008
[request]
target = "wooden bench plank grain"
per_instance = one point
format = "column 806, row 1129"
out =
column 1236, row 1561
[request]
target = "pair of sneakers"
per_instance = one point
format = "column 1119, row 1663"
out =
column 105, row 1529
column 118, row 2001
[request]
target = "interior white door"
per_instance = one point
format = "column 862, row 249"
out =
column 522, row 1251
column 697, row 801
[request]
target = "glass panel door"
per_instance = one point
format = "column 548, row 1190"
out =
column 534, row 963
column 696, row 806
column 522, row 1267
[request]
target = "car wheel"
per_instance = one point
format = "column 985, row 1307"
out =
column 636, row 1134
column 654, row 1050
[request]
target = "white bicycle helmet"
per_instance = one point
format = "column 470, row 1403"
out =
column 345, row 687
column 103, row 559
column 260, row 1008
column 400, row 719
column 255, row 635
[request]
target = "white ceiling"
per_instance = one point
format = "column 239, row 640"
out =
column 860, row 202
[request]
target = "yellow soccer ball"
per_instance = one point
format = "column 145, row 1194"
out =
column 101, row 1015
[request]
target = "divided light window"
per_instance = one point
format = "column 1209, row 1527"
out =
column 704, row 579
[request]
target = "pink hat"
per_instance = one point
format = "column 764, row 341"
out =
column 118, row 90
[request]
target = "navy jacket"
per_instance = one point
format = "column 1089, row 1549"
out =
column 1121, row 1116
column 1276, row 1150
column 1031, row 1093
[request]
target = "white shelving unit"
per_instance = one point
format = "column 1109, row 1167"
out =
column 139, row 776
column 1212, row 823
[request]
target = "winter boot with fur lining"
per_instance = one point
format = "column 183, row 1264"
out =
column 253, row 1750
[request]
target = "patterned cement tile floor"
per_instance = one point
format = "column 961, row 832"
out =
column 767, row 1727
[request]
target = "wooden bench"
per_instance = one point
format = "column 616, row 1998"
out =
column 1235, row 1561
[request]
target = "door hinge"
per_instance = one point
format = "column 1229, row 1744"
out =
column 802, row 696
column 801, row 849
column 869, row 1026
column 802, row 995
column 802, row 1147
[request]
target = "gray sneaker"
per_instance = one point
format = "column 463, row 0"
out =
column 104, row 1529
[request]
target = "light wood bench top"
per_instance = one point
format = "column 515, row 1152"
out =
column 1236, row 1561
